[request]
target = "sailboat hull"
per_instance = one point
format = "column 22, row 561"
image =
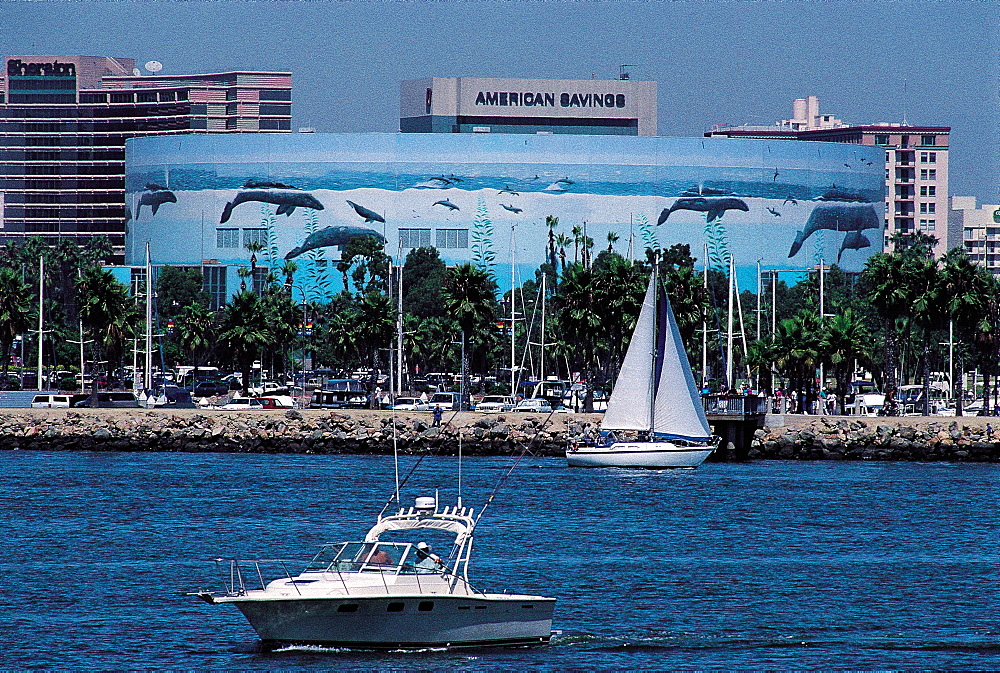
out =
column 649, row 455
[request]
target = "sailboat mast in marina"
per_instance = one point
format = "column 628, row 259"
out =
column 655, row 418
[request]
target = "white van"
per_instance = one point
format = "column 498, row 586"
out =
column 50, row 401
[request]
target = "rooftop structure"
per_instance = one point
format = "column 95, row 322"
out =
column 63, row 125
column 979, row 229
column 493, row 105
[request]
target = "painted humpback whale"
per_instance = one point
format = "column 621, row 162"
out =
column 286, row 197
column 835, row 193
column 854, row 240
column 154, row 196
column 715, row 207
column 369, row 215
column 330, row 236
column 699, row 190
column 838, row 216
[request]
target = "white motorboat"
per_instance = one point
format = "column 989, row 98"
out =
column 655, row 418
column 377, row 594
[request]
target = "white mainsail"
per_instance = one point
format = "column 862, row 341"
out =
column 678, row 411
column 631, row 402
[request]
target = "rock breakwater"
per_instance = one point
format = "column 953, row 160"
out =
column 968, row 439
column 291, row 431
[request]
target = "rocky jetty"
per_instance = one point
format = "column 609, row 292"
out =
column 289, row 431
column 907, row 439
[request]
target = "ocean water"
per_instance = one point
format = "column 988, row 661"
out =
column 763, row 565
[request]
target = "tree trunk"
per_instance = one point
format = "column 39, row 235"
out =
column 957, row 386
column 925, row 367
column 889, row 368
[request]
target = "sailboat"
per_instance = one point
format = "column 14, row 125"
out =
column 654, row 400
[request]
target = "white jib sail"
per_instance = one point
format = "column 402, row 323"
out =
column 630, row 405
column 678, row 408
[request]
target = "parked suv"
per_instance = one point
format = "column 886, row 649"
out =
column 496, row 404
column 446, row 401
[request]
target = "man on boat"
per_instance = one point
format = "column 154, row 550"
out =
column 428, row 562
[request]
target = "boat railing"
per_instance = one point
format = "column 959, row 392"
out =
column 241, row 576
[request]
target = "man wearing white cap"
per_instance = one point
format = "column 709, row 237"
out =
column 428, row 562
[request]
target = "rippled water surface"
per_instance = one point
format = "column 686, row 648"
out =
column 765, row 565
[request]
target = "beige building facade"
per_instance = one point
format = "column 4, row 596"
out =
column 979, row 228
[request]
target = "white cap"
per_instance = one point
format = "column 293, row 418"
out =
column 423, row 546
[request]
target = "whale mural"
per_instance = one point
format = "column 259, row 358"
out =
column 369, row 215
column 837, row 216
column 714, row 207
column 330, row 237
column 286, row 197
column 154, row 197
column 854, row 240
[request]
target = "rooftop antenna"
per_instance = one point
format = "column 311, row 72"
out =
column 904, row 102
column 153, row 66
column 623, row 74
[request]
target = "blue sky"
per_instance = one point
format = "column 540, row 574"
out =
column 715, row 62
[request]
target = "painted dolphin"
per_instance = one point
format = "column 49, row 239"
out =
column 566, row 181
column 154, row 196
column 447, row 204
column 838, row 194
column 555, row 187
column 330, row 236
column 714, row 207
column 512, row 209
column 774, row 212
column 369, row 215
column 854, row 240
column 508, row 190
column 838, row 216
column 286, row 197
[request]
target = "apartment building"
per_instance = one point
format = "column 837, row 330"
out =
column 979, row 228
column 63, row 125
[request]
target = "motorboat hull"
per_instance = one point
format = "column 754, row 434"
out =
column 400, row 622
column 649, row 455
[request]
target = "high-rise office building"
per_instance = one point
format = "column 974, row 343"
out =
column 63, row 125
column 916, row 165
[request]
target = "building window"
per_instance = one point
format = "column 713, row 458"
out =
column 167, row 96
column 215, row 286
column 227, row 238
column 275, row 94
column 928, row 208
column 230, row 94
column 928, row 140
column 138, row 282
column 146, row 96
column 452, row 238
column 121, row 98
column 275, row 109
column 928, row 174
column 254, row 236
column 927, row 225
column 928, row 157
column 275, row 124
column 415, row 238
column 928, row 190
column 881, row 139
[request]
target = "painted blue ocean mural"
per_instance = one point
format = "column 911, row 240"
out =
column 303, row 196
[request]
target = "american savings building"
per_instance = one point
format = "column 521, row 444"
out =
column 492, row 105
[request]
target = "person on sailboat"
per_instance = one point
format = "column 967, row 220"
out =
column 429, row 562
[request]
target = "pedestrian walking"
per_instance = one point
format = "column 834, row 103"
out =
column 437, row 416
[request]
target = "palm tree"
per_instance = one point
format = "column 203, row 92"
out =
column 888, row 292
column 195, row 331
column 244, row 273
column 551, row 223
column 579, row 322
column 928, row 311
column 577, row 235
column 844, row 340
column 562, row 240
column 288, row 269
column 107, row 311
column 253, row 247
column 15, row 312
column 967, row 291
column 244, row 330
column 612, row 239
column 470, row 299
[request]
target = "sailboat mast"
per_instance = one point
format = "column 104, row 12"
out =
column 148, row 370
column 656, row 343
column 704, row 326
column 729, row 325
column 513, row 382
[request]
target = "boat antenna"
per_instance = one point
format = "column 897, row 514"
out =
column 395, row 451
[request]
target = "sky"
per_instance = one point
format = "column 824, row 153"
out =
column 929, row 62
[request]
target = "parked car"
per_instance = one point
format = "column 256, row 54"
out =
column 410, row 404
column 276, row 402
column 494, row 404
column 126, row 400
column 536, row 405
column 447, row 401
column 210, row 388
column 239, row 403
column 50, row 401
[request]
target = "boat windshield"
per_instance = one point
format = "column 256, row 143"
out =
column 362, row 557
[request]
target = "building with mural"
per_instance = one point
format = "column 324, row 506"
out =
column 484, row 198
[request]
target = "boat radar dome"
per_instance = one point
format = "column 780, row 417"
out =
column 426, row 505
